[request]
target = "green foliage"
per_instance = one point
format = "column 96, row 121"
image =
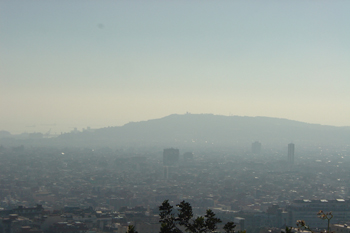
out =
column 211, row 221
column 171, row 223
column 167, row 218
column 185, row 213
column 302, row 226
column 289, row 229
column 131, row 229
column 229, row 227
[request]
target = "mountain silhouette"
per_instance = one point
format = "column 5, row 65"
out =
column 201, row 129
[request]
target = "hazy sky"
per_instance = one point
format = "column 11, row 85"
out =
column 104, row 63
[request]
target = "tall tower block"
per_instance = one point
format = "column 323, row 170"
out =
column 171, row 157
column 256, row 147
column 291, row 153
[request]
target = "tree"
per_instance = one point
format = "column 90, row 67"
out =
column 325, row 216
column 131, row 229
column 302, row 226
column 322, row 215
column 288, row 229
column 229, row 228
column 171, row 223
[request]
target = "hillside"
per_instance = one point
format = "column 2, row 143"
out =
column 212, row 129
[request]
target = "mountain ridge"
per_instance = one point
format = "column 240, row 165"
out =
column 195, row 130
column 216, row 129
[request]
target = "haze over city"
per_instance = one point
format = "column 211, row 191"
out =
column 106, row 63
column 174, row 116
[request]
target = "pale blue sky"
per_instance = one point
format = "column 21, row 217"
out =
column 105, row 63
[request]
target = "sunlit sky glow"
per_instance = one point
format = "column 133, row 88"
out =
column 68, row 64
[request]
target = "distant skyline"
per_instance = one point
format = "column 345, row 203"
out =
column 67, row 64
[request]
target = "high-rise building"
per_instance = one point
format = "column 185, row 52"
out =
column 171, row 157
column 166, row 172
column 291, row 153
column 256, row 147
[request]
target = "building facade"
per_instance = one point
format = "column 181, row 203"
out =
column 256, row 147
column 291, row 148
column 171, row 157
column 307, row 210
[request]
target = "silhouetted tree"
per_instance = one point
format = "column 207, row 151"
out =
column 171, row 223
column 325, row 216
column 229, row 227
column 131, row 229
column 301, row 224
column 288, row 229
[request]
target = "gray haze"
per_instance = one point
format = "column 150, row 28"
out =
column 89, row 141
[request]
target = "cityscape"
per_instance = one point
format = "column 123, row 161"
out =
column 174, row 116
column 106, row 189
